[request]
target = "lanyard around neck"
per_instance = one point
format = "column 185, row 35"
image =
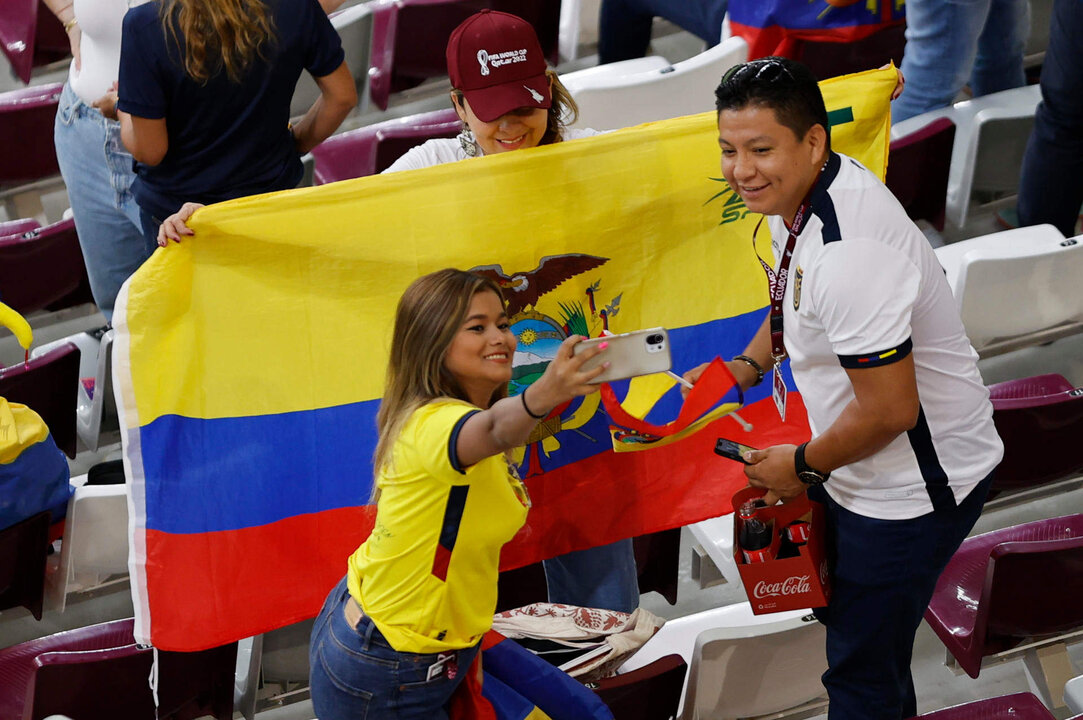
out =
column 776, row 282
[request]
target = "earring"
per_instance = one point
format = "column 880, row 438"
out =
column 467, row 141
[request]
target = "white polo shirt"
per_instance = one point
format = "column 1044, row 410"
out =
column 865, row 290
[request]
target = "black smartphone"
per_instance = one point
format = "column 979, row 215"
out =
column 732, row 450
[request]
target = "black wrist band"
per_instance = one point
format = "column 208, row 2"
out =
column 522, row 396
column 754, row 365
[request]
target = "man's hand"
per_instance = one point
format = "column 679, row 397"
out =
column 773, row 470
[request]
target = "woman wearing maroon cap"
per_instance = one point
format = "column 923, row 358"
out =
column 506, row 96
column 508, row 99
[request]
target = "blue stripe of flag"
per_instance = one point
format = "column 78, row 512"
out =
column 232, row 473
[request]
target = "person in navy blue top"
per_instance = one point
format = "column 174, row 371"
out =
column 205, row 114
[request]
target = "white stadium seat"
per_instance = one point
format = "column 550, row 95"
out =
column 578, row 26
column 95, row 543
column 1016, row 288
column 687, row 88
column 96, row 421
column 735, row 659
column 354, row 26
column 990, row 140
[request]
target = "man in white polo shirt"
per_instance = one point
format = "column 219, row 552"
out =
column 903, row 444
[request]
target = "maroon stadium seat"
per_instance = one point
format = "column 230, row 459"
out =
column 98, row 672
column 26, row 122
column 30, row 36
column 372, row 149
column 1007, row 586
column 43, row 268
column 1045, row 412
column 650, row 692
column 48, row 385
column 22, row 563
column 917, row 171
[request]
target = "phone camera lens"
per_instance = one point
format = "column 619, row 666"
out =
column 654, row 339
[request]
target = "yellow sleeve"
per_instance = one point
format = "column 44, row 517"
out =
column 435, row 429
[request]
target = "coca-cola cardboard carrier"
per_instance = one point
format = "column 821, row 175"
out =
column 792, row 583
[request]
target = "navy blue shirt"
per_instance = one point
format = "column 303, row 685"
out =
column 226, row 139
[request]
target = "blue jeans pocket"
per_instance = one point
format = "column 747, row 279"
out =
column 69, row 103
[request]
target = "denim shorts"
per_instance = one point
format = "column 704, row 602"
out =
column 355, row 673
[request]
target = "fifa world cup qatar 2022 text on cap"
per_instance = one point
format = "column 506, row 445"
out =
column 495, row 59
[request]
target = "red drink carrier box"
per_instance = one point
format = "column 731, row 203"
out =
column 792, row 583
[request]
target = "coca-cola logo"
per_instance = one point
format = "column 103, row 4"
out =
column 793, row 585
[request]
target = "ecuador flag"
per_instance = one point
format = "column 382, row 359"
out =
column 249, row 360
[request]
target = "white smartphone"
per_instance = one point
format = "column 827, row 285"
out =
column 630, row 354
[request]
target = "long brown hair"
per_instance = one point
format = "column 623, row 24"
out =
column 237, row 31
column 429, row 316
column 562, row 111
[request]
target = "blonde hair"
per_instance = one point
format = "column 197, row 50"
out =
column 429, row 316
column 237, row 31
column 562, row 111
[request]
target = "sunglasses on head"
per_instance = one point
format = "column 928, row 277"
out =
column 765, row 69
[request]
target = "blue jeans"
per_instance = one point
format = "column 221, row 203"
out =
column 624, row 26
column 1051, row 185
column 97, row 171
column 598, row 577
column 949, row 42
column 884, row 575
column 356, row 674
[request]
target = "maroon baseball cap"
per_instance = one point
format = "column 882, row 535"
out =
column 496, row 60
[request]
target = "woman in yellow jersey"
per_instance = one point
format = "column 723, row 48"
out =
column 398, row 633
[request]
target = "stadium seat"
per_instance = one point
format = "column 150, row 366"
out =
column 409, row 37
column 1073, row 694
column 715, row 537
column 23, row 548
column 1045, row 411
column 372, row 149
column 98, row 672
column 917, row 170
column 95, row 543
column 1017, row 585
column 990, row 275
column 578, row 26
column 249, row 660
column 284, row 659
column 96, row 421
column 650, row 692
column 1018, row 706
column 354, row 26
column 43, row 268
column 18, row 227
column 734, row 670
column 26, row 120
column 658, row 557
column 30, row 36
column 611, row 72
column 990, row 139
column 831, row 59
column 48, row 385
column 717, row 643
column 607, row 102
